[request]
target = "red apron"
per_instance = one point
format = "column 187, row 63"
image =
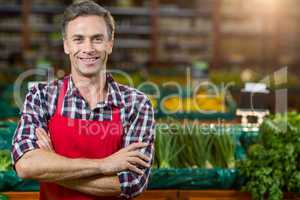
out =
column 76, row 138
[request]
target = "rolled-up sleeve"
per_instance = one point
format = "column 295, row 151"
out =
column 141, row 129
column 32, row 116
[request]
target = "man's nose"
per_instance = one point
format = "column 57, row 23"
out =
column 88, row 47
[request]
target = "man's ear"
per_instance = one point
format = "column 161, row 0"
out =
column 66, row 47
column 109, row 46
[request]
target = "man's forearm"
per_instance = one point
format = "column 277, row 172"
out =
column 47, row 166
column 97, row 185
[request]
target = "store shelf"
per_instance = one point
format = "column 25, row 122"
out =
column 132, row 43
column 10, row 27
column 45, row 28
column 10, row 9
column 136, row 30
column 47, row 9
column 243, row 34
column 245, row 62
column 185, row 33
column 132, row 11
column 184, row 12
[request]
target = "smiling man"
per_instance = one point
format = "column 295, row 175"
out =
column 86, row 136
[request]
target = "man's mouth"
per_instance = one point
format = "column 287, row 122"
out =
column 89, row 60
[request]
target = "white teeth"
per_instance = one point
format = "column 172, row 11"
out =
column 88, row 59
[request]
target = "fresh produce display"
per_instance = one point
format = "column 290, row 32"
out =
column 5, row 160
column 194, row 146
column 3, row 197
column 271, row 168
column 6, row 133
column 219, row 77
column 132, row 79
column 202, row 102
column 199, row 103
column 273, row 164
column 206, row 154
column 164, row 78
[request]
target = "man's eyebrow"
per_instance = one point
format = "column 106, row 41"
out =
column 97, row 35
column 92, row 36
column 76, row 35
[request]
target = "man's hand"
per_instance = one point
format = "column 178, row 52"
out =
column 44, row 140
column 126, row 159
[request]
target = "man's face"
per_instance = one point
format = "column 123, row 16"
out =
column 88, row 45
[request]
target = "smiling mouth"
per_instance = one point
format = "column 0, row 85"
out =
column 89, row 60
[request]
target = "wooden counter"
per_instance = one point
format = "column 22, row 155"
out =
column 163, row 195
column 160, row 195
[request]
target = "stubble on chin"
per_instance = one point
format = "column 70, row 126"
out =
column 90, row 73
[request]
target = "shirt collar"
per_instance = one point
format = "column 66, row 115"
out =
column 113, row 98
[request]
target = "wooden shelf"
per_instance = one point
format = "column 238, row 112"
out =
column 185, row 33
column 10, row 28
column 166, row 195
column 136, row 30
column 44, row 28
column 47, row 9
column 184, row 12
column 213, row 195
column 132, row 11
column 241, row 34
column 22, row 195
column 243, row 62
column 160, row 195
column 132, row 43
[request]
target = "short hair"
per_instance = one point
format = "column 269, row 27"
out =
column 86, row 8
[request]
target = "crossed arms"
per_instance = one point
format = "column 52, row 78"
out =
column 92, row 176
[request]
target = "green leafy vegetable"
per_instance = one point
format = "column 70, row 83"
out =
column 5, row 160
column 272, row 167
column 193, row 146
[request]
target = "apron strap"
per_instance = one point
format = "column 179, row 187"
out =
column 61, row 95
column 116, row 114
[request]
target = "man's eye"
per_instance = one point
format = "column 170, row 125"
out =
column 98, row 39
column 77, row 39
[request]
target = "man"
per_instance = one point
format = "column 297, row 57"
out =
column 86, row 136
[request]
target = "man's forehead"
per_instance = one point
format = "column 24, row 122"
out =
column 87, row 23
column 87, row 26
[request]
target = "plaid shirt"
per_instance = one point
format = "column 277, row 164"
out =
column 137, row 117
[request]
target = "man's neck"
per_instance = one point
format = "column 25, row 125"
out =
column 92, row 88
